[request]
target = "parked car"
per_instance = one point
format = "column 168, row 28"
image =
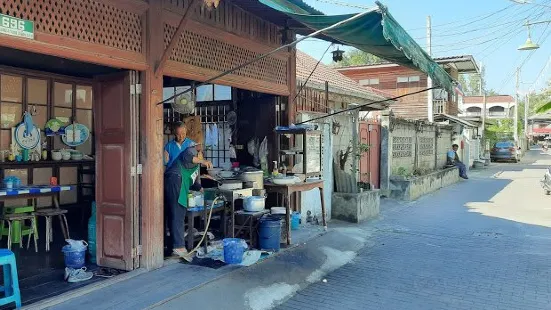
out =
column 505, row 150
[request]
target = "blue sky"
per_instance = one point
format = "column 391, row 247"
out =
column 490, row 30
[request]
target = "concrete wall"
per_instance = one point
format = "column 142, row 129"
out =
column 417, row 147
column 418, row 186
column 357, row 207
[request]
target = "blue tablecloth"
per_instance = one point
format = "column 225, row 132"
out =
column 202, row 208
column 33, row 190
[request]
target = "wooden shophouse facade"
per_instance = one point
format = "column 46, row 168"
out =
column 122, row 49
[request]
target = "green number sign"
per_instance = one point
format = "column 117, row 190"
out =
column 16, row 27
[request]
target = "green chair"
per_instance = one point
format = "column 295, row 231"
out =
column 18, row 228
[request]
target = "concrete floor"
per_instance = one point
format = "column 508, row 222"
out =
column 480, row 244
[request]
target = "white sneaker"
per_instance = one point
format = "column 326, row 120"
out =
column 78, row 275
column 67, row 273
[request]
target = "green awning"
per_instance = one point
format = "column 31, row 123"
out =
column 377, row 33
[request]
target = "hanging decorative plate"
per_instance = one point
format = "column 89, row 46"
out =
column 25, row 139
column 75, row 134
column 54, row 127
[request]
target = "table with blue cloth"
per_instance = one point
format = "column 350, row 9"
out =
column 34, row 192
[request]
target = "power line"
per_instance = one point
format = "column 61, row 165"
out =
column 487, row 25
column 311, row 73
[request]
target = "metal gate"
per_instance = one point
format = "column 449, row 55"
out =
column 370, row 134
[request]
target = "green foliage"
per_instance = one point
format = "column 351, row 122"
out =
column 356, row 57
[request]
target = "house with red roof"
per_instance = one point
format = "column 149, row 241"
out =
column 399, row 80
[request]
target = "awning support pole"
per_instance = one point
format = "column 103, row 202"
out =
column 168, row 51
column 313, row 34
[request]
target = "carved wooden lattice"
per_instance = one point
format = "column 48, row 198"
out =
column 402, row 147
column 205, row 52
column 84, row 20
column 233, row 19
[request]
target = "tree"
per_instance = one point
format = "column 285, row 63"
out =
column 356, row 57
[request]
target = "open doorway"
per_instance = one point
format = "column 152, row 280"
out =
column 62, row 171
column 228, row 122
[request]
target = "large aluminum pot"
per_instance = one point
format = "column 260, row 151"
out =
column 230, row 185
column 257, row 177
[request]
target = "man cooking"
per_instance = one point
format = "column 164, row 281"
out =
column 181, row 177
column 174, row 147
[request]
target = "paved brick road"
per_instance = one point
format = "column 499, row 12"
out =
column 481, row 244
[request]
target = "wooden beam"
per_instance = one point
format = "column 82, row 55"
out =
column 174, row 40
column 151, row 129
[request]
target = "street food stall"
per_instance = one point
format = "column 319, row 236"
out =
column 239, row 134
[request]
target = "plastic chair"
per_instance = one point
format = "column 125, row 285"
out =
column 18, row 230
column 21, row 218
column 11, row 280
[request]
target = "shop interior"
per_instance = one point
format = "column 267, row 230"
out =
column 231, row 125
column 55, row 95
column 258, row 167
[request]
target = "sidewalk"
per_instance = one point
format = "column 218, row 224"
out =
column 140, row 289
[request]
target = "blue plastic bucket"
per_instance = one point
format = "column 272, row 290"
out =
column 295, row 221
column 74, row 259
column 269, row 233
column 233, row 250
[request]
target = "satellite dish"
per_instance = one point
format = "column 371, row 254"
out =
column 184, row 103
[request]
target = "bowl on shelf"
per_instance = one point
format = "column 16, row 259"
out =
column 76, row 156
column 56, row 155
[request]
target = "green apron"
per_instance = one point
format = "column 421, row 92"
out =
column 188, row 178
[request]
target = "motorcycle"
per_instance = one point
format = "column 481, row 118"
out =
column 546, row 181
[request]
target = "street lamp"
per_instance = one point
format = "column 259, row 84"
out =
column 528, row 45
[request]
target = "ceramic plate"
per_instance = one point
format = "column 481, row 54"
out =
column 75, row 134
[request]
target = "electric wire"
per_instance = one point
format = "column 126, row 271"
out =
column 312, row 72
column 509, row 77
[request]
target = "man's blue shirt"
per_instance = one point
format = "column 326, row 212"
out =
column 173, row 150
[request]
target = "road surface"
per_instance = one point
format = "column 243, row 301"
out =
column 482, row 244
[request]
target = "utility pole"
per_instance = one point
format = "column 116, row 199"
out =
column 483, row 92
column 526, row 107
column 515, row 125
column 430, row 107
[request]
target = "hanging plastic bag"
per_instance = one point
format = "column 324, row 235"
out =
column 251, row 146
column 263, row 154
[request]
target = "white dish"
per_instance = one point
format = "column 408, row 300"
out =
column 226, row 174
column 278, row 210
column 213, row 172
column 285, row 180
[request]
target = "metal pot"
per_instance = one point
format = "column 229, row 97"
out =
column 254, row 203
column 230, row 185
column 257, row 177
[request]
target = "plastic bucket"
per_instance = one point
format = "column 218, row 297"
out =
column 74, row 258
column 295, row 221
column 269, row 233
column 233, row 250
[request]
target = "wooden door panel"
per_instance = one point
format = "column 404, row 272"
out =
column 113, row 176
column 114, row 159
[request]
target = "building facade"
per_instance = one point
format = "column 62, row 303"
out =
column 113, row 56
column 399, row 80
column 497, row 107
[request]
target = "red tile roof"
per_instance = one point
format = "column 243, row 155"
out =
column 489, row 99
column 306, row 64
